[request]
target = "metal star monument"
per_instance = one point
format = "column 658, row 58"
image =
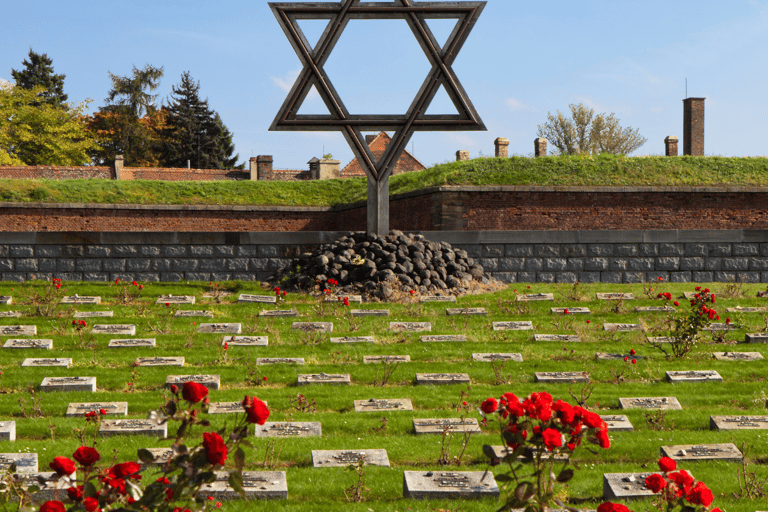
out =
column 440, row 57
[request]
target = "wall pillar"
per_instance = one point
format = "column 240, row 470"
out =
column 540, row 147
column 328, row 169
column 119, row 164
column 693, row 126
column 670, row 146
column 502, row 147
column 264, row 167
column 462, row 155
column 253, row 168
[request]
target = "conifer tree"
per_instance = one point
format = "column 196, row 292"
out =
column 38, row 72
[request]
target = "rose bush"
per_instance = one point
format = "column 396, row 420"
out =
column 538, row 430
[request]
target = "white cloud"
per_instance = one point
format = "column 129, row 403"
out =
column 5, row 84
column 515, row 104
column 286, row 83
column 463, row 140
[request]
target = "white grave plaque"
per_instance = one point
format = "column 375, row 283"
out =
column 18, row 330
column 369, row 312
column 175, row 299
column 289, row 429
column 159, row 361
column 132, row 343
column 111, row 408
column 494, row 357
column 410, row 326
column 694, row 376
column 513, row 326
column 567, row 338
column 220, row 328
column 444, row 338
column 438, row 298
column 651, row 403
column 344, row 458
column 94, row 314
column 25, row 462
column 536, row 297
column 354, row 339
column 556, row 377
column 384, row 404
column 65, row 362
column 257, row 485
column 209, row 381
column 76, row 299
column 623, row 327
column 442, row 378
column 22, row 343
column 245, row 341
column 617, row 423
column 615, row 296
column 689, row 452
column 124, row 329
column 7, row 430
column 68, row 384
column 280, row 360
column 466, row 311
column 449, row 485
column 571, row 311
column 737, row 356
column 312, row 326
column 386, row 359
column 259, row 299
column 341, row 379
column 438, row 425
column 110, row 428
column 738, row 422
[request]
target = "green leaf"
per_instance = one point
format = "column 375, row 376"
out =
column 146, row 456
column 239, row 459
column 524, row 491
column 565, row 476
column 504, row 478
column 236, row 483
column 89, row 490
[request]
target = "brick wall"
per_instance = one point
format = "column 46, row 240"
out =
column 182, row 174
column 55, row 173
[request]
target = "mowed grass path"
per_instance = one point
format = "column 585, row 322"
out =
column 42, row 427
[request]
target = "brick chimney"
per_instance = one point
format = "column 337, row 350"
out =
column 253, row 169
column 693, row 126
column 502, row 147
column 462, row 155
column 670, row 146
column 264, row 167
column 328, row 169
column 540, row 147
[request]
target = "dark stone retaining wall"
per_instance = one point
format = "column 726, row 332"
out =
column 511, row 256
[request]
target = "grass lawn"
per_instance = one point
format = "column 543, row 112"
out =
column 42, row 427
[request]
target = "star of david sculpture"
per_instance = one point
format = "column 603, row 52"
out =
column 351, row 126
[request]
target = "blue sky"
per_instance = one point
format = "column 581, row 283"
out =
column 523, row 59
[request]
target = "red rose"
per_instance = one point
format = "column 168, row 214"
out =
column 655, row 483
column 632, row 352
column 603, row 439
column 700, row 493
column 489, row 405
column 91, row 504
column 126, row 469
column 683, row 479
column 256, row 410
column 193, row 392
column 75, row 493
column 564, row 412
column 86, row 455
column 612, row 507
column 215, row 449
column 52, row 506
column 62, row 466
column 666, row 464
column 552, row 438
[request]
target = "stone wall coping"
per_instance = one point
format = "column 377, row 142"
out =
column 452, row 237
column 168, row 207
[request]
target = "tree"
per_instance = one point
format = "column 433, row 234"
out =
column 587, row 133
column 130, row 123
column 38, row 72
column 44, row 134
column 195, row 132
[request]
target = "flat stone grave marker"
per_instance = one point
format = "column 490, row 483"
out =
column 289, row 429
column 666, row 403
column 220, row 328
column 688, row 452
column 444, row 338
column 369, row 312
column 21, row 343
column 278, row 313
column 312, row 326
column 655, row 309
column 353, row 299
column 10, row 314
column 65, row 362
column 259, row 299
column 438, row 298
column 110, row 428
column 344, row 458
column 739, row 309
column 623, row 327
column 94, row 314
column 162, row 455
column 759, row 337
column 618, row 423
column 245, row 341
column 605, row 356
column 25, row 462
column 339, row 379
column 569, row 338
column 68, row 384
column 737, row 356
column 690, row 295
column 449, row 484
column 720, row 327
column 622, row 486
column 615, row 296
column 694, row 376
column 225, row 408
column 159, row 361
column 76, row 299
column 410, row 326
column 386, row 359
column 466, row 311
column 536, row 297
column 571, row 311
column 660, row 339
column 438, row 425
column 111, row 408
column 354, row 339
column 7, row 430
column 175, row 299
column 388, row 404
column 5, row 299
column 280, row 360
column 493, row 357
column 126, row 329
column 555, row 377
column 738, row 422
column 51, row 486
column 132, row 343
column 213, row 295
column 499, row 452
column 513, row 326
column 257, row 485
column 209, row 381
column 191, row 313
column 442, row 378
column 18, row 330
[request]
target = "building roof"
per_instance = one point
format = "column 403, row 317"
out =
column 406, row 162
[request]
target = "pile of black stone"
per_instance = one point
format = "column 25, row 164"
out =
column 381, row 267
